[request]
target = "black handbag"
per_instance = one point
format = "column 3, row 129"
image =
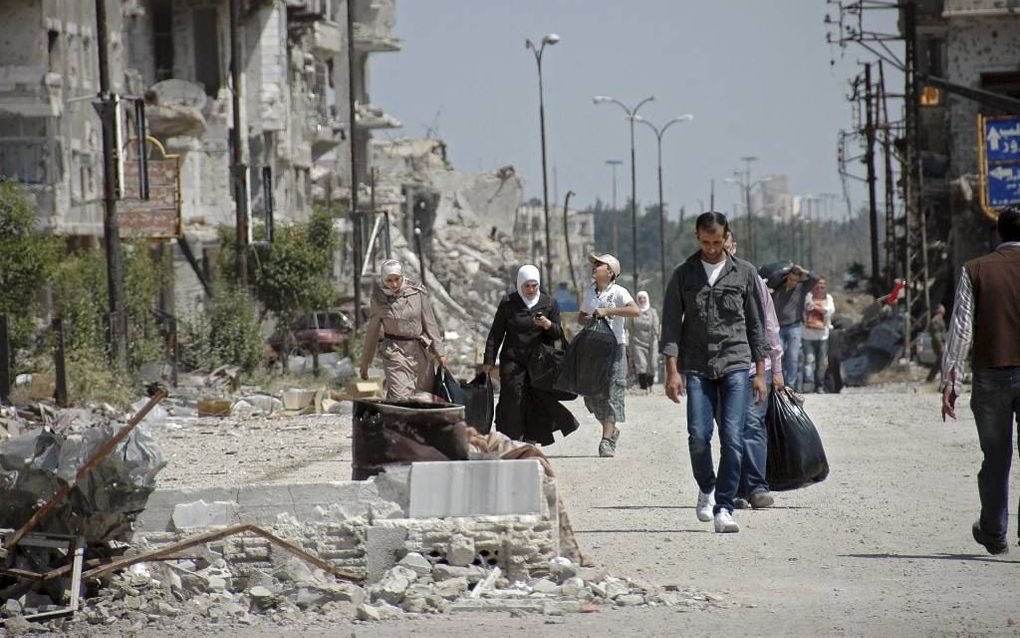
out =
column 476, row 396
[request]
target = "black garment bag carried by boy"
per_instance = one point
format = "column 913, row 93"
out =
column 588, row 360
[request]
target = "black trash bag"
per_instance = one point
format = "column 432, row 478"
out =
column 796, row 457
column 544, row 367
column 479, row 406
column 588, row 361
column 475, row 396
column 773, row 273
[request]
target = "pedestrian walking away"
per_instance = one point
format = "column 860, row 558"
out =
column 789, row 302
column 937, row 332
column 818, row 310
column 402, row 317
column 525, row 320
column 643, row 333
column 986, row 326
column 753, row 490
column 608, row 299
column 712, row 332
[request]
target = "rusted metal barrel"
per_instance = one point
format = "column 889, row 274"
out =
column 403, row 432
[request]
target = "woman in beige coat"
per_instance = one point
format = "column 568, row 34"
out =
column 402, row 315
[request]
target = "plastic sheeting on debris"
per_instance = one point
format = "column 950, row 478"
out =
column 100, row 507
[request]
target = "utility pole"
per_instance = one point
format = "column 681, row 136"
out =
column 352, row 102
column 869, row 160
column 751, row 252
column 890, row 185
column 239, row 133
column 111, row 231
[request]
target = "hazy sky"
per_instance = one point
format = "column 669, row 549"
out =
column 756, row 76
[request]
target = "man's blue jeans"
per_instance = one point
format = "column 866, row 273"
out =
column 790, row 337
column 723, row 400
column 995, row 401
column 755, row 444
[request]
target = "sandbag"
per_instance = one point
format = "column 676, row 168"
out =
column 475, row 396
column 588, row 361
column 795, row 457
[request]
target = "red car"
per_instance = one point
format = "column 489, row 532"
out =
column 325, row 330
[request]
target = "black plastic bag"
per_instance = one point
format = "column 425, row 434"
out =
column 479, row 406
column 774, row 273
column 544, row 367
column 475, row 396
column 796, row 457
column 588, row 361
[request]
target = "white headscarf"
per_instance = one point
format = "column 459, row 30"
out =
column 643, row 305
column 390, row 267
column 528, row 273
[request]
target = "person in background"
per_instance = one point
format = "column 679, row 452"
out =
column 525, row 319
column 937, row 332
column 607, row 299
column 818, row 310
column 789, row 301
column 986, row 315
column 643, row 333
column 753, row 490
column 402, row 313
column 712, row 332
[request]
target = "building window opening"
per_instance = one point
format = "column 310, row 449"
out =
column 207, row 49
column 162, row 39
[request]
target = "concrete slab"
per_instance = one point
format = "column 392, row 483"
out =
column 476, row 488
column 384, row 546
column 200, row 514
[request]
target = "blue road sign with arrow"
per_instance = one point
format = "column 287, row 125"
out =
column 1000, row 162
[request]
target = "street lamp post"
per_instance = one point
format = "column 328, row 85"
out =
column 631, row 114
column 659, row 132
column 613, row 163
column 550, row 39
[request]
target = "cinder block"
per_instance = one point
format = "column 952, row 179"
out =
column 476, row 488
column 202, row 514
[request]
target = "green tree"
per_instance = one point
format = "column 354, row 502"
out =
column 27, row 260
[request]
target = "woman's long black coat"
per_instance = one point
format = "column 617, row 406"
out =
column 524, row 413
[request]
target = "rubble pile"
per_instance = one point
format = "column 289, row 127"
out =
column 38, row 461
column 206, row 591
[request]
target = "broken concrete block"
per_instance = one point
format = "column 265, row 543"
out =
column 561, row 568
column 472, row 574
column 451, row 588
column 364, row 389
column 461, row 551
column 382, row 546
column 379, row 611
column 298, row 399
column 393, row 585
column 202, row 514
column 416, row 563
column 214, row 407
column 476, row 488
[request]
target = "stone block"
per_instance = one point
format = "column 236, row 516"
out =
column 461, row 551
column 202, row 514
column 384, row 546
column 476, row 488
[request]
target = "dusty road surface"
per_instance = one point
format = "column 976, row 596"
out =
column 882, row 548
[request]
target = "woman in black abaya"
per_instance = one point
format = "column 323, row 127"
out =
column 524, row 320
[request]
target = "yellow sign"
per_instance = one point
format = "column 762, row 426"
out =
column 930, row 96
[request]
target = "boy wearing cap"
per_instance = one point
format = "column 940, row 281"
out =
column 606, row 298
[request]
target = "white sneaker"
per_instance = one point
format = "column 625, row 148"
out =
column 706, row 503
column 724, row 523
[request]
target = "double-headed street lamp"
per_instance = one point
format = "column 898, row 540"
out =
column 659, row 132
column 631, row 114
column 550, row 39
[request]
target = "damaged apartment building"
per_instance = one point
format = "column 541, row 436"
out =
column 176, row 56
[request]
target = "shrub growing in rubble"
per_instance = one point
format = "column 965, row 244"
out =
column 27, row 260
column 225, row 332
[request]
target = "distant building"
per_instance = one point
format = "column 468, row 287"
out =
column 529, row 239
